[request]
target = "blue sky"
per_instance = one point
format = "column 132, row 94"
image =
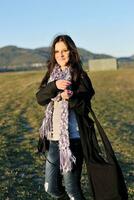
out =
column 100, row 26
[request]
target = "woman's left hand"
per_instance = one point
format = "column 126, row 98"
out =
column 66, row 94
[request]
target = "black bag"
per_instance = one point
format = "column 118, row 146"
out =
column 106, row 179
column 43, row 145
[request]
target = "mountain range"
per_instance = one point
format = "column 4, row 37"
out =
column 13, row 57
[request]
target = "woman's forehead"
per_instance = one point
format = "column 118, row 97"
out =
column 60, row 45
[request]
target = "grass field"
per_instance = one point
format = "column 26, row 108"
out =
column 21, row 169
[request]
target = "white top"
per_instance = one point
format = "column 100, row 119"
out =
column 72, row 123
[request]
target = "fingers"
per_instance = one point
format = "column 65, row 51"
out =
column 70, row 92
column 62, row 84
column 66, row 94
column 65, row 84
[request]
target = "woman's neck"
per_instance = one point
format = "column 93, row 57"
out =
column 63, row 67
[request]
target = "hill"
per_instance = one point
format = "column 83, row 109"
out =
column 16, row 58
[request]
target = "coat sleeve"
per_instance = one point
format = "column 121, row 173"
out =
column 80, row 101
column 46, row 92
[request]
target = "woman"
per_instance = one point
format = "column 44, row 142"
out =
column 66, row 90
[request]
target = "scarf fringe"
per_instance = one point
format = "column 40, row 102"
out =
column 67, row 160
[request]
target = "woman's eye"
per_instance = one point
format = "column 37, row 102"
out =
column 63, row 51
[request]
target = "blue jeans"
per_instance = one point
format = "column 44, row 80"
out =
column 53, row 177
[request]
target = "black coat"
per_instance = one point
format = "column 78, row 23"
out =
column 80, row 102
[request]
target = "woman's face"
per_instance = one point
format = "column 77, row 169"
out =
column 61, row 54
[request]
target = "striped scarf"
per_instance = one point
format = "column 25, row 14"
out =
column 66, row 157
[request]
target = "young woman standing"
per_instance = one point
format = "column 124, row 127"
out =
column 66, row 125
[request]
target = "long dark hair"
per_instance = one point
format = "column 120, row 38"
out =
column 74, row 58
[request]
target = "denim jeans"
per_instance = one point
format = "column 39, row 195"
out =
column 54, row 178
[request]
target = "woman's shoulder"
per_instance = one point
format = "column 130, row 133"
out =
column 86, row 81
column 85, row 76
column 44, row 80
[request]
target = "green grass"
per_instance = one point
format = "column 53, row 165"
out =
column 21, row 169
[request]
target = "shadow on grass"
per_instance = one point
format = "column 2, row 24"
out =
column 18, row 166
column 22, row 170
column 127, row 168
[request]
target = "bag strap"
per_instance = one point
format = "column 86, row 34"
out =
column 107, row 145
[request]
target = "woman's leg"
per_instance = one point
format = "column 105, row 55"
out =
column 53, row 179
column 72, row 179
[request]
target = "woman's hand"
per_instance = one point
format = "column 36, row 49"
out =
column 62, row 84
column 66, row 94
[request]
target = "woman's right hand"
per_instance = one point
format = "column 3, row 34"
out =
column 67, row 94
column 62, row 84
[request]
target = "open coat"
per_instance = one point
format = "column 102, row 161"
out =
column 80, row 103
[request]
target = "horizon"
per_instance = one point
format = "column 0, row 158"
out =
column 77, row 47
column 99, row 27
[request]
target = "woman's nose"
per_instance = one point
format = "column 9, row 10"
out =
column 61, row 53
